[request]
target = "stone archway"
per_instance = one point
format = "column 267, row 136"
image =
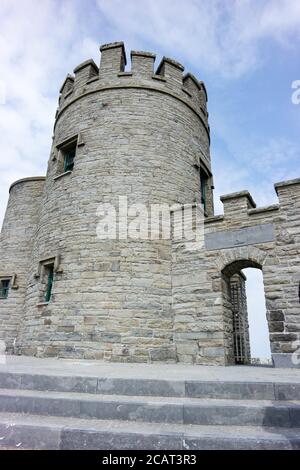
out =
column 254, row 257
column 236, row 328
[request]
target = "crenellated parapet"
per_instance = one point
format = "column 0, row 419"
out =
column 288, row 191
column 84, row 72
column 113, row 59
column 240, row 212
column 142, row 64
column 167, row 78
column 197, row 90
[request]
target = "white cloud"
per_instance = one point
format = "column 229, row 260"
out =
column 38, row 46
column 255, row 168
column 218, row 36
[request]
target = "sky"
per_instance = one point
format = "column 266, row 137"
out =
column 246, row 51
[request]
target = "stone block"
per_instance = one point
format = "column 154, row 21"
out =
column 58, row 383
column 92, row 440
column 232, row 390
column 138, row 387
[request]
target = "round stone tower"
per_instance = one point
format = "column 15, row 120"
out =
column 16, row 242
column 122, row 138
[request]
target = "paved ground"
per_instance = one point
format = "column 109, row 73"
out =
column 53, row 366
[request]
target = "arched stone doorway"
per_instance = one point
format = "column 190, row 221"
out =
column 240, row 322
column 235, row 314
column 236, row 328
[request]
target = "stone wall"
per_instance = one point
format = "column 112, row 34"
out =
column 16, row 241
column 265, row 238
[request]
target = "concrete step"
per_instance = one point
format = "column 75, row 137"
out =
column 153, row 409
column 223, row 389
column 36, row 432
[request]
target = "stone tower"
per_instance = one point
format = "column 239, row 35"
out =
column 140, row 137
column 16, row 243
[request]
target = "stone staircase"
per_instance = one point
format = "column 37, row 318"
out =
column 56, row 411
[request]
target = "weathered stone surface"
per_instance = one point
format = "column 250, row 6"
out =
column 16, row 242
column 141, row 387
column 233, row 390
column 244, row 236
column 89, row 440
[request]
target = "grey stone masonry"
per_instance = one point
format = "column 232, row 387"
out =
column 16, row 240
column 143, row 134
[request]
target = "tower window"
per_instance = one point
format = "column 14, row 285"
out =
column 66, row 154
column 203, row 188
column 4, row 288
column 49, row 276
column 69, row 157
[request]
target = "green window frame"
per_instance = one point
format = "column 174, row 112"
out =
column 203, row 188
column 50, row 279
column 69, row 157
column 4, row 288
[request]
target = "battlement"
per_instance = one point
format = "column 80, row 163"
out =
column 239, row 207
column 286, row 187
column 167, row 77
